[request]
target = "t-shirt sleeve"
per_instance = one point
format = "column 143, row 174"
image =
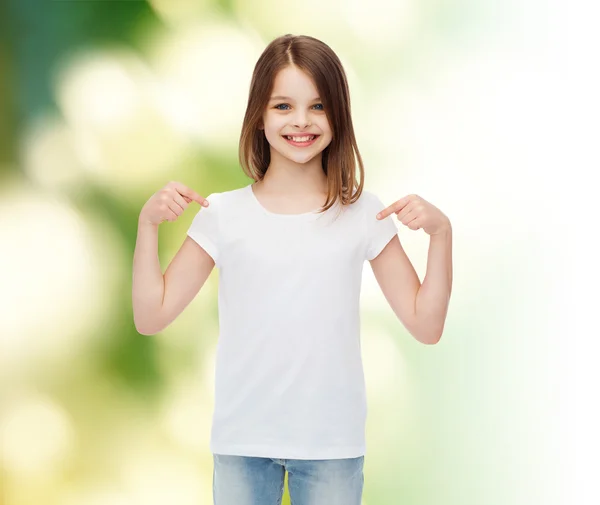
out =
column 205, row 228
column 378, row 231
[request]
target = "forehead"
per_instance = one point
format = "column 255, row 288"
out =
column 293, row 82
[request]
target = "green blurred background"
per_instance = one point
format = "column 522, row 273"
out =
column 104, row 102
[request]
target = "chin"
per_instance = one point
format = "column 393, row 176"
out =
column 302, row 160
column 297, row 157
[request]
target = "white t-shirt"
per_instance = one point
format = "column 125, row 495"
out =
column 289, row 379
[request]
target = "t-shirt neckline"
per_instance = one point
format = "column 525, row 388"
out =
column 304, row 215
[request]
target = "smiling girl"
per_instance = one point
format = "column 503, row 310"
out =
column 290, row 249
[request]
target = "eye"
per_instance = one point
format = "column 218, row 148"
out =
column 279, row 105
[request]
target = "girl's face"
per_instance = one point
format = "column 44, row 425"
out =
column 295, row 110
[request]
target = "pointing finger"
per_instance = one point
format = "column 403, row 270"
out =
column 395, row 207
column 191, row 194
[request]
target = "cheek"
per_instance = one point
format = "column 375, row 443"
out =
column 327, row 134
column 272, row 133
column 324, row 125
column 274, row 126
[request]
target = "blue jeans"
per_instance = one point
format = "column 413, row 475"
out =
column 245, row 480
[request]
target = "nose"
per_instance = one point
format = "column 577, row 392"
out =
column 301, row 120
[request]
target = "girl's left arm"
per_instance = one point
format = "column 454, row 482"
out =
column 421, row 307
column 433, row 297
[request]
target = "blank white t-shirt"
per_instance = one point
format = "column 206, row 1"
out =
column 289, row 379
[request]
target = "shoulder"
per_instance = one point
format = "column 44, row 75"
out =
column 226, row 205
column 369, row 201
column 224, row 198
column 364, row 206
column 370, row 204
column 366, row 196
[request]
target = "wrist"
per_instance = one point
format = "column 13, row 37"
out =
column 143, row 222
column 446, row 229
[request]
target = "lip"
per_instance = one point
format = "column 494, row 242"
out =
column 301, row 144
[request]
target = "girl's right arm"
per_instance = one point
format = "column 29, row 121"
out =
column 158, row 299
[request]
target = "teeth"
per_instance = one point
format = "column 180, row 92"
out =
column 300, row 139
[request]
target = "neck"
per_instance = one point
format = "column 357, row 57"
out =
column 287, row 177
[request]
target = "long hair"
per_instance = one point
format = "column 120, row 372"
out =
column 318, row 60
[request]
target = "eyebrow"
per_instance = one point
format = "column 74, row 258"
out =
column 279, row 97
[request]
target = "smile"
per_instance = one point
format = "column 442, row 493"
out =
column 304, row 141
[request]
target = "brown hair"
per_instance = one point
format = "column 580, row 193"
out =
column 318, row 60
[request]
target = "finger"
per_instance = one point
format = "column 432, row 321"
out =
column 170, row 215
column 395, row 207
column 415, row 224
column 408, row 217
column 191, row 194
column 180, row 200
column 409, row 211
column 175, row 208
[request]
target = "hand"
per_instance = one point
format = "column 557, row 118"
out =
column 168, row 203
column 416, row 212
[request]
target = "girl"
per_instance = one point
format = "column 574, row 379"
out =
column 290, row 248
